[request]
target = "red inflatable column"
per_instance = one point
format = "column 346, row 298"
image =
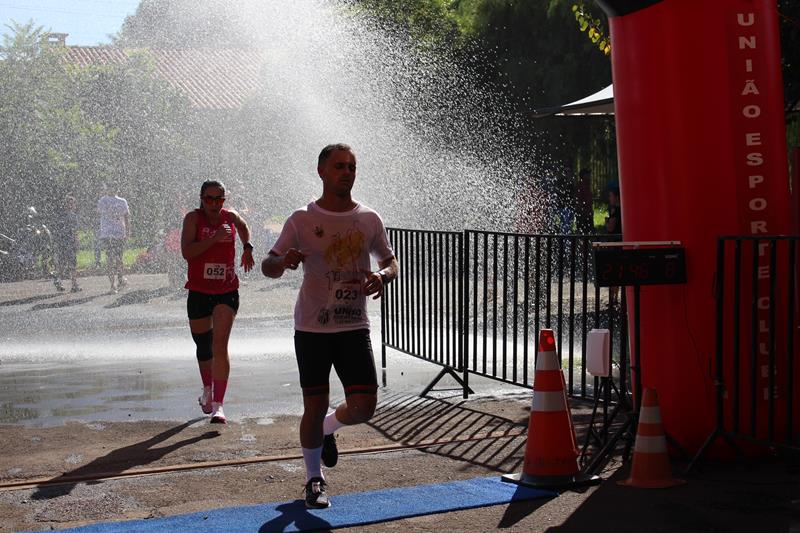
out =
column 702, row 153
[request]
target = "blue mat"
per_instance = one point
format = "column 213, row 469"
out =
column 346, row 509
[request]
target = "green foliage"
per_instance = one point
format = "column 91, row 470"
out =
column 176, row 24
column 67, row 130
column 86, row 258
column 152, row 146
column 50, row 143
column 427, row 21
column 531, row 51
column 593, row 26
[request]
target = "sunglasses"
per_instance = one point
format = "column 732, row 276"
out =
column 213, row 199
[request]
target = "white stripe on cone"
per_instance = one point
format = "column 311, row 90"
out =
column 546, row 401
column 650, row 415
column 650, row 444
column 547, row 361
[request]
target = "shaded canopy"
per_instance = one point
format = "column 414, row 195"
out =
column 599, row 103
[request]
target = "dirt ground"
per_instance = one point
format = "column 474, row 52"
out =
column 212, row 466
column 192, row 466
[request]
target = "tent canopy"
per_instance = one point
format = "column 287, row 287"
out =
column 599, row 103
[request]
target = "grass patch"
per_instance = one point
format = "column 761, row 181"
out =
column 600, row 214
column 86, row 257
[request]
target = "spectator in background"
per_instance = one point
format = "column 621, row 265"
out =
column 614, row 227
column 98, row 245
column 585, row 209
column 98, row 248
column 65, row 235
column 114, row 232
column 565, row 201
column 614, row 218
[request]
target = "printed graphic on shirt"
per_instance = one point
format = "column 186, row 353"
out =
column 346, row 300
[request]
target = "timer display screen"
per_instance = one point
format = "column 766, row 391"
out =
column 617, row 266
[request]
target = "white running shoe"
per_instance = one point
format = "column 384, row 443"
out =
column 205, row 400
column 217, row 415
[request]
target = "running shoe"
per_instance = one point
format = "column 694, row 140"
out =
column 59, row 286
column 217, row 415
column 205, row 400
column 316, row 497
column 330, row 453
column 122, row 283
column 75, row 288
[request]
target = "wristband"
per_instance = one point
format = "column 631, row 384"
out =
column 247, row 246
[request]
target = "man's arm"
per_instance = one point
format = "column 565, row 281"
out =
column 274, row 265
column 376, row 281
column 389, row 268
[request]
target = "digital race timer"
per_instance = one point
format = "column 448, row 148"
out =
column 622, row 264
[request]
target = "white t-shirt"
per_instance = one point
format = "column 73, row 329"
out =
column 112, row 210
column 337, row 249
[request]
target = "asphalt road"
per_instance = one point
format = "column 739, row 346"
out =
column 98, row 356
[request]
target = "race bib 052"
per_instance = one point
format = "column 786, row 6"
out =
column 214, row 271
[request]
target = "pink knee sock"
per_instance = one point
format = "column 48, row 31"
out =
column 205, row 376
column 218, row 392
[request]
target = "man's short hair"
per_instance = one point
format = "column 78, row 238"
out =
column 326, row 152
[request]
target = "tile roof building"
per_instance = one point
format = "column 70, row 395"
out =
column 211, row 79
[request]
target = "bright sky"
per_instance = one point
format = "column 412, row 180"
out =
column 88, row 22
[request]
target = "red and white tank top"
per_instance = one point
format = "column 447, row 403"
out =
column 213, row 271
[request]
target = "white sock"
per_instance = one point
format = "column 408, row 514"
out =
column 313, row 459
column 331, row 423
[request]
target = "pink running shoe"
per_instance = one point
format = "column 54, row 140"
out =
column 217, row 415
column 205, row 400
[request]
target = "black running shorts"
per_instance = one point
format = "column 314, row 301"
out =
column 349, row 352
column 201, row 305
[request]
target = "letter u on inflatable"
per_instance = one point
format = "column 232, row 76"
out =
column 702, row 154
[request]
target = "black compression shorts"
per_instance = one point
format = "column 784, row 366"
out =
column 350, row 354
column 201, row 305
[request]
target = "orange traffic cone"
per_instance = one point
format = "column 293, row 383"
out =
column 651, row 468
column 551, row 452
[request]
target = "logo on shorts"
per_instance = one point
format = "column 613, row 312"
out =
column 323, row 317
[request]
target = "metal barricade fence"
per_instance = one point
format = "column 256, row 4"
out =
column 422, row 311
column 757, row 374
column 473, row 302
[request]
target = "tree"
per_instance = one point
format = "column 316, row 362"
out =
column 176, row 24
column 427, row 21
column 69, row 129
column 593, row 25
column 50, row 145
column 152, row 145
